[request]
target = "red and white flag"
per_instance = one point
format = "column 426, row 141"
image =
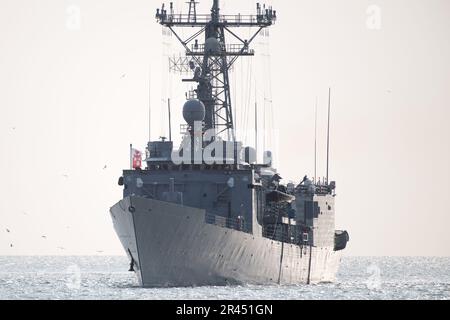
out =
column 136, row 158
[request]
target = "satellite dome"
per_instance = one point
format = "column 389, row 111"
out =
column 212, row 45
column 194, row 110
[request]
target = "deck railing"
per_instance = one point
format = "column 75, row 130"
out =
column 237, row 224
column 236, row 20
column 283, row 234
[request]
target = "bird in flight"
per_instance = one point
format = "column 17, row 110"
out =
column 7, row 230
column 104, row 168
column 44, row 237
column 11, row 245
column 123, row 76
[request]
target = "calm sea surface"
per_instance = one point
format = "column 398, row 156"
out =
column 107, row 278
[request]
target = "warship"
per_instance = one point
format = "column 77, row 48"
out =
column 208, row 213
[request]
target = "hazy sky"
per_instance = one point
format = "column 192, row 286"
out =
column 74, row 96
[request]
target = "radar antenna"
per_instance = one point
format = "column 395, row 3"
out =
column 211, row 61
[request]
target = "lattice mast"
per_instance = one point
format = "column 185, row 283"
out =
column 211, row 61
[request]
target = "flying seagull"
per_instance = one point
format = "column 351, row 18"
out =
column 11, row 245
column 104, row 168
column 123, row 76
column 7, row 230
column 44, row 237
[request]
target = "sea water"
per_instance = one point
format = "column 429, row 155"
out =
column 108, row 278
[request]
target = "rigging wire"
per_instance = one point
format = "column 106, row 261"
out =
column 233, row 97
column 248, row 96
column 265, row 91
column 166, row 78
column 268, row 86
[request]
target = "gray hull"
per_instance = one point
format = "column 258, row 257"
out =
column 172, row 246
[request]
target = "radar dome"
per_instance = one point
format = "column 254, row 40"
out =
column 212, row 45
column 194, row 110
